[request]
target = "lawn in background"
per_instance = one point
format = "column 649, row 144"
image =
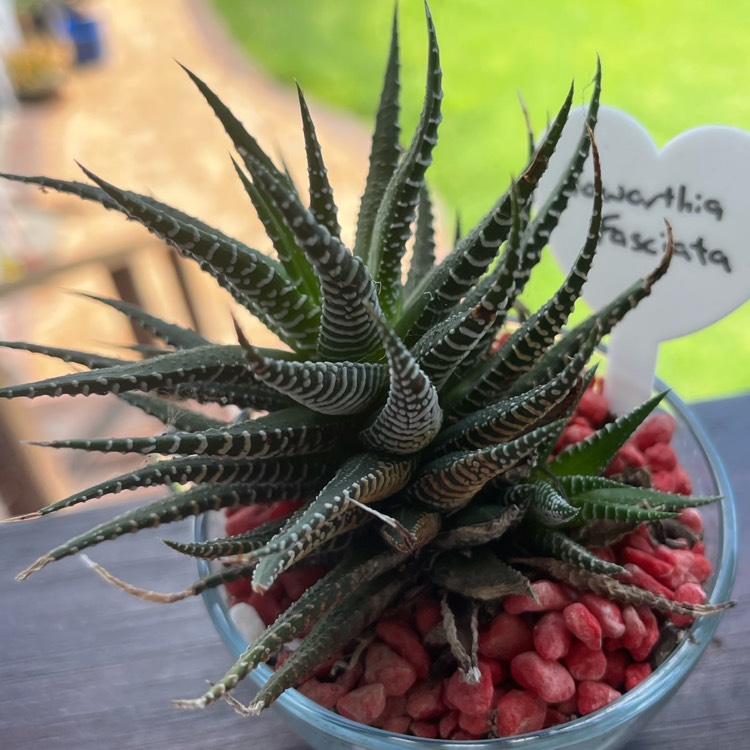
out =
column 673, row 65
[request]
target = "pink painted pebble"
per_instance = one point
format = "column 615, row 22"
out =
column 664, row 481
column 363, row 704
column 584, row 663
column 690, row 593
column 628, row 457
column 327, row 694
column 700, row 567
column 604, row 553
column 496, row 670
column 691, row 517
column 518, row 712
column 406, row 643
column 553, row 717
column 297, row 580
column 680, row 560
column 507, row 636
column 573, row 434
column 240, row 589
column 568, row 707
column 660, row 457
column 548, row 595
column 658, row 428
column 606, row 612
column 631, row 455
column 426, row 729
column 552, row 638
column 350, row 677
column 641, row 539
column 635, row 629
column 547, row 679
column 684, row 485
column 266, row 605
column 583, row 625
column 650, row 636
column 448, row 724
column 474, row 723
column 617, row 662
column 593, row 405
column 595, row 695
column 385, row 666
column 636, row 576
column 427, row 615
column 467, row 698
column 397, row 724
column 425, row 701
column 395, row 705
column 647, row 561
column 244, row 519
column 635, row 674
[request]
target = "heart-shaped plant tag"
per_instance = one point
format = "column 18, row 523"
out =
column 699, row 183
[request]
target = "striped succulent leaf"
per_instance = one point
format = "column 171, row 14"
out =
column 411, row 416
column 560, row 546
column 175, row 507
column 385, row 151
column 288, row 251
column 233, row 546
column 325, row 387
column 284, row 433
column 168, row 373
column 300, row 474
column 478, row 524
column 244, row 143
column 423, row 251
column 322, row 206
column 319, row 598
column 87, row 359
column 392, row 227
column 340, row 506
column 544, row 502
column 459, row 338
column 170, row 333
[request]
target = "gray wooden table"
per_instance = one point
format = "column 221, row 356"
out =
column 84, row 666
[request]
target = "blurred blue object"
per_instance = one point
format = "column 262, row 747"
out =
column 85, row 33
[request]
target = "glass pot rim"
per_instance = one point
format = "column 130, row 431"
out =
column 647, row 695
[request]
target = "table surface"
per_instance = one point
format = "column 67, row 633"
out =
column 84, row 665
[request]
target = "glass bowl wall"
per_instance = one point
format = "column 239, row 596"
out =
column 606, row 729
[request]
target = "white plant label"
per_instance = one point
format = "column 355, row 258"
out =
column 698, row 182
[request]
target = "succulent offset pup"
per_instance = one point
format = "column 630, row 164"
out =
column 420, row 445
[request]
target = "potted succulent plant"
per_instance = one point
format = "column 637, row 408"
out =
column 417, row 427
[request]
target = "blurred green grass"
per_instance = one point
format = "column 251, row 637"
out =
column 672, row 65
